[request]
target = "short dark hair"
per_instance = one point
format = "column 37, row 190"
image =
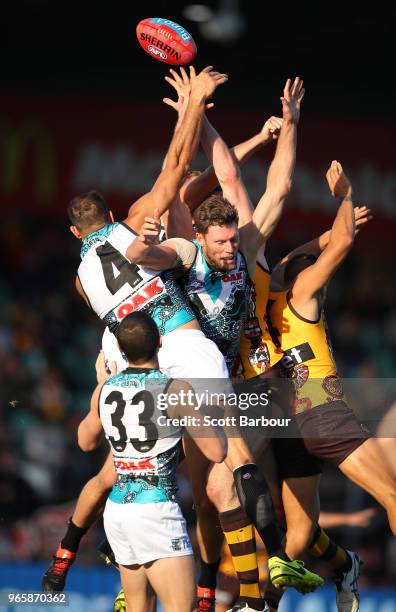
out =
column 297, row 264
column 138, row 337
column 87, row 210
column 215, row 210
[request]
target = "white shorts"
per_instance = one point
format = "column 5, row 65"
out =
column 140, row 533
column 185, row 353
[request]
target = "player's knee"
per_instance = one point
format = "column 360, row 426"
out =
column 389, row 503
column 222, row 498
column 204, row 506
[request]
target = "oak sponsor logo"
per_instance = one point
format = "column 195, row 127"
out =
column 232, row 278
column 135, row 466
column 139, row 299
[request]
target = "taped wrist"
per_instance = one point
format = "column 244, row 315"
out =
column 254, row 495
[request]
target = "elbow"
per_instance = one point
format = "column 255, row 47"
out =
column 85, row 445
column 341, row 245
column 345, row 242
column 284, row 188
column 84, row 442
column 135, row 258
column 228, row 176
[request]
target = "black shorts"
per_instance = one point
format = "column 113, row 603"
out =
column 327, row 433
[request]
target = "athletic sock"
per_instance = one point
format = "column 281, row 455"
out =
column 208, row 577
column 73, row 536
column 272, row 596
column 256, row 501
column 239, row 533
column 323, row 548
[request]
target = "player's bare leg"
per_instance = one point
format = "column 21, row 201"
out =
column 139, row 595
column 89, row 508
column 368, row 468
column 92, row 499
column 176, row 595
column 301, row 504
column 209, row 534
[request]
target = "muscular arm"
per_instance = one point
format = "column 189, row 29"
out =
column 279, row 178
column 181, row 150
column 227, row 171
column 173, row 253
column 195, row 191
column 90, row 430
column 202, row 186
column 311, row 280
column 313, row 247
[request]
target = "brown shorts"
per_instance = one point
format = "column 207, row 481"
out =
column 327, row 433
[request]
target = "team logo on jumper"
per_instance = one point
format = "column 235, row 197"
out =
column 300, row 375
column 180, row 543
column 260, row 357
column 333, row 386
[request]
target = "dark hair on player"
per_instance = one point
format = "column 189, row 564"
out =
column 215, row 210
column 87, row 210
column 138, row 337
column 297, row 264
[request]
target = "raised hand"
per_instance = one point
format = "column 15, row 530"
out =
column 362, row 216
column 291, row 100
column 182, row 86
column 271, row 128
column 339, row 184
column 150, row 230
column 206, row 82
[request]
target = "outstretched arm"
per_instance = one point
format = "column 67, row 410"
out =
column 196, row 190
column 227, row 171
column 279, row 179
column 202, row 186
column 311, row 280
column 315, row 247
column 181, row 150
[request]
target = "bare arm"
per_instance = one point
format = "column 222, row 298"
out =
column 181, row 150
column 203, row 185
column 311, row 280
column 227, row 171
column 279, row 179
column 90, row 430
column 146, row 250
column 195, row 191
column 315, row 247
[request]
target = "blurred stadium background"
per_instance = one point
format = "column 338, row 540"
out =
column 80, row 108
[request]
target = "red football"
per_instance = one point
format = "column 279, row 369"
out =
column 166, row 41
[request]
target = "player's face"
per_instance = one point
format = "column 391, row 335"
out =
column 220, row 246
